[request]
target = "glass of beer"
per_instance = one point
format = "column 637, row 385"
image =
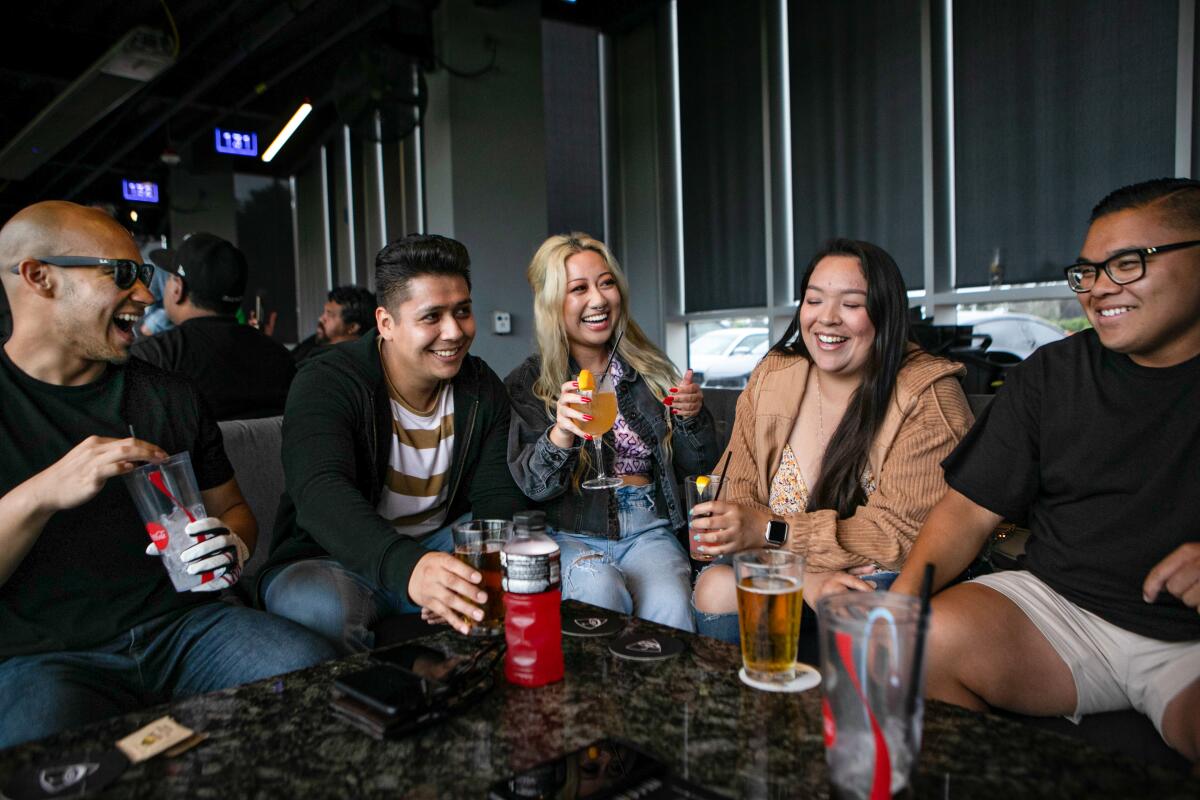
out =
column 477, row 543
column 770, row 598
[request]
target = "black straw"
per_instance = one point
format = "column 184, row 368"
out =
column 919, row 647
column 611, row 356
column 724, row 469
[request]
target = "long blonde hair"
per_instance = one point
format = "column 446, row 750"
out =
column 547, row 276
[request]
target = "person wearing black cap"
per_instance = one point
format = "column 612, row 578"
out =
column 241, row 372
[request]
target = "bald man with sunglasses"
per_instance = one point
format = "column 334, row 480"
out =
column 90, row 625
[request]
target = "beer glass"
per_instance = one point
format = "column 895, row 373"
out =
column 477, row 543
column 770, row 599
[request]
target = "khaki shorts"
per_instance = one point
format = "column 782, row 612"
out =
column 1113, row 668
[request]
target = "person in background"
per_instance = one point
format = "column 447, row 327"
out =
column 155, row 320
column 241, row 372
column 387, row 442
column 836, row 441
column 348, row 314
column 1092, row 442
column 619, row 547
column 90, row 625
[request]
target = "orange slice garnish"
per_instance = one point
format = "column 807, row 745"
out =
column 587, row 382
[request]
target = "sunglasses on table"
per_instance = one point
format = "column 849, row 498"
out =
column 124, row 271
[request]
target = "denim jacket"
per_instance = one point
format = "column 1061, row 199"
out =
column 544, row 471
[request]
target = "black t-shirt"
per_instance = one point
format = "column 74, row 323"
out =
column 87, row 578
column 241, row 372
column 1100, row 458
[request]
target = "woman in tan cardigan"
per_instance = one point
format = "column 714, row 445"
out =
column 838, row 439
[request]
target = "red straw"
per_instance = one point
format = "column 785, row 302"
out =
column 157, row 479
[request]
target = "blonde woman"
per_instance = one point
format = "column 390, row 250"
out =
column 619, row 547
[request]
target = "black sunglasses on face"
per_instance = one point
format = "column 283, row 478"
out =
column 125, row 271
column 1123, row 267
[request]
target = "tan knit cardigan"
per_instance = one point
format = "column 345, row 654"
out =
column 926, row 419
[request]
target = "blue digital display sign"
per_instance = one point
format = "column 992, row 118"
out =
column 140, row 191
column 236, row 143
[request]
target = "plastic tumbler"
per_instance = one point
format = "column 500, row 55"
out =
column 872, row 703
column 167, row 498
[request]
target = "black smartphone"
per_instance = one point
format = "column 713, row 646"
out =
column 598, row 770
column 425, row 662
column 384, row 688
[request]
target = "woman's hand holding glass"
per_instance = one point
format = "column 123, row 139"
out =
column 722, row 527
column 566, row 428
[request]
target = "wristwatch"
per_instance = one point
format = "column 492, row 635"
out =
column 776, row 533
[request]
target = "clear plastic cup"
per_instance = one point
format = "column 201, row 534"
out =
column 872, row 706
column 164, row 495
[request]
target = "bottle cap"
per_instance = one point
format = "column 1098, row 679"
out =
column 530, row 520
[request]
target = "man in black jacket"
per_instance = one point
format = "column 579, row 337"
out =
column 240, row 371
column 387, row 442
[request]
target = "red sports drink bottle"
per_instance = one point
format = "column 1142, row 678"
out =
column 532, row 620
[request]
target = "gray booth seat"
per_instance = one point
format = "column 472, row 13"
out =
column 253, row 447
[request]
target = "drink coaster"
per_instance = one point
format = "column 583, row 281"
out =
column 67, row 776
column 646, row 647
column 806, row 678
column 592, row 623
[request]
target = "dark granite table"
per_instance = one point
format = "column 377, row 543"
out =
column 278, row 738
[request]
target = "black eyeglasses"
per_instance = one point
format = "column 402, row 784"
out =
column 1124, row 267
column 125, row 271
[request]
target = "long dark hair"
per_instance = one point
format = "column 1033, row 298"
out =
column 839, row 486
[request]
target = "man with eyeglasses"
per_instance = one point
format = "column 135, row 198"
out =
column 90, row 625
column 1094, row 443
column 240, row 371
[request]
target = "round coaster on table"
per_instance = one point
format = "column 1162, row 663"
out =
column 806, row 678
column 646, row 647
column 593, row 622
column 67, row 776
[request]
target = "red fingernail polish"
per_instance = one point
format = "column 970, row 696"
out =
column 673, row 411
column 587, row 436
column 674, row 390
column 668, row 400
column 586, row 399
column 575, row 384
column 587, row 417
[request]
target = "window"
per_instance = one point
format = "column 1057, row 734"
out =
column 723, row 352
column 856, row 128
column 1055, row 105
column 721, row 138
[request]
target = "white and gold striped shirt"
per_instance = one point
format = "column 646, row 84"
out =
column 416, row 490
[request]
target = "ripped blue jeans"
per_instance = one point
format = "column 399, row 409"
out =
column 645, row 572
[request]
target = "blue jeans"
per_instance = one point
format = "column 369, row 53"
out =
column 209, row 647
column 645, row 572
column 338, row 603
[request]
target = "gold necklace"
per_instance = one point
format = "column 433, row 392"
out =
column 820, row 412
